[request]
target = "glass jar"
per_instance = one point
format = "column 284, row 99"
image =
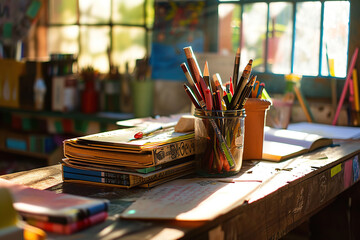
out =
column 219, row 142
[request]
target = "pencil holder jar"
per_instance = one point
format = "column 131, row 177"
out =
column 219, row 138
column 255, row 109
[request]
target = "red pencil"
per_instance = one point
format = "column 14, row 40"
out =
column 208, row 99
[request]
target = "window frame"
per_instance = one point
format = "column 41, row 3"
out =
column 312, row 86
column 111, row 24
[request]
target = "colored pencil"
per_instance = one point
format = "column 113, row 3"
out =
column 194, row 67
column 206, row 75
column 191, row 96
column 218, row 83
column 193, row 86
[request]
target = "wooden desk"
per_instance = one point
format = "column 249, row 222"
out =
column 289, row 193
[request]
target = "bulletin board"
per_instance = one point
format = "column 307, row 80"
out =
column 177, row 24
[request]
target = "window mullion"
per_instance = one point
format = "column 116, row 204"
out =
column 321, row 36
column 293, row 38
column 267, row 37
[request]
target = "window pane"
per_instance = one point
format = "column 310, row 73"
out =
column 94, row 11
column 128, row 45
column 62, row 11
column 280, row 37
column 336, row 32
column 229, row 28
column 63, row 39
column 254, row 32
column 307, row 38
column 94, row 44
column 128, row 12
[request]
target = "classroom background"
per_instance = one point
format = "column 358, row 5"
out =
column 71, row 68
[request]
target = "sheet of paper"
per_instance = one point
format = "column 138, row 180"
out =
column 325, row 130
column 199, row 199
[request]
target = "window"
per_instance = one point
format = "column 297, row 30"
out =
column 282, row 37
column 300, row 37
column 100, row 32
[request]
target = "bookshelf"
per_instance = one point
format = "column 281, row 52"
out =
column 39, row 134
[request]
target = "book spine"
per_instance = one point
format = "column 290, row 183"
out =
column 173, row 151
column 80, row 215
column 163, row 174
column 118, row 176
column 71, row 227
column 125, row 181
column 132, row 180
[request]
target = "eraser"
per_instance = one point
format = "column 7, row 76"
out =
column 185, row 124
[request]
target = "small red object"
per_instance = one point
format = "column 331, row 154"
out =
column 138, row 135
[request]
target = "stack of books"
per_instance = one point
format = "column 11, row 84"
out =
column 117, row 158
column 60, row 213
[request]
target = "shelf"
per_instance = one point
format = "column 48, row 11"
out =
column 101, row 117
column 51, row 158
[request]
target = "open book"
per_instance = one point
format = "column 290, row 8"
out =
column 326, row 130
column 281, row 144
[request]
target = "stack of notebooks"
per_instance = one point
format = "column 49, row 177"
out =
column 60, row 213
column 116, row 158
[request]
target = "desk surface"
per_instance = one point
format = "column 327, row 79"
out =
column 289, row 193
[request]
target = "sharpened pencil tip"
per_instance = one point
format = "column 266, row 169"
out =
column 206, row 69
column 238, row 51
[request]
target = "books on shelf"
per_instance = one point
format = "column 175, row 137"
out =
column 281, row 144
column 73, row 172
column 60, row 209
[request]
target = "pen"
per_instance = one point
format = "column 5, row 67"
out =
column 236, row 68
column 153, row 128
column 241, row 84
column 245, row 93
